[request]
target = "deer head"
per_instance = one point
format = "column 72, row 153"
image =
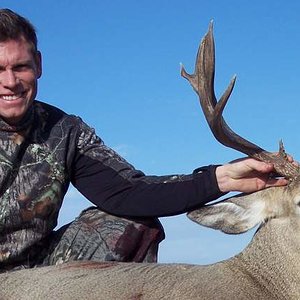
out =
column 240, row 213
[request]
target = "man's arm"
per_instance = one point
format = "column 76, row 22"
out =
column 116, row 187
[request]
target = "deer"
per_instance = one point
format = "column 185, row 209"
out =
column 268, row 268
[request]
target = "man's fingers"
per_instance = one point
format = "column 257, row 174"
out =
column 276, row 182
column 259, row 166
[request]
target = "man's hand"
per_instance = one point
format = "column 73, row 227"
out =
column 247, row 175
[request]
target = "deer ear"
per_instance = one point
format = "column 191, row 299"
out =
column 234, row 215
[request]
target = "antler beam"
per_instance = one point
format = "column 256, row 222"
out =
column 202, row 82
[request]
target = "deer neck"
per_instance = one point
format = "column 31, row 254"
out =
column 272, row 259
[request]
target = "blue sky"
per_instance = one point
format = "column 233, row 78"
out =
column 116, row 64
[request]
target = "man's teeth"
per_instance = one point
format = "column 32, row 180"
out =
column 10, row 97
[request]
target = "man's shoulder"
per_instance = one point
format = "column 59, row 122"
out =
column 52, row 114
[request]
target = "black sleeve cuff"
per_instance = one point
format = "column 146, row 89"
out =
column 207, row 182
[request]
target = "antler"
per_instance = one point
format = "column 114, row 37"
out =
column 202, row 82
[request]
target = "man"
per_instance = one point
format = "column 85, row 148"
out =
column 44, row 149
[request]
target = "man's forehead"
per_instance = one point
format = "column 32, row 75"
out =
column 17, row 49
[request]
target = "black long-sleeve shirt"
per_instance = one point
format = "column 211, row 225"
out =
column 48, row 150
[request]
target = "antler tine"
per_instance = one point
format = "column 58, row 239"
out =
column 202, row 82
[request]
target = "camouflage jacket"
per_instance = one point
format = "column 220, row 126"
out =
column 48, row 150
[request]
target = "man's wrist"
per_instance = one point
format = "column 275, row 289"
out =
column 222, row 178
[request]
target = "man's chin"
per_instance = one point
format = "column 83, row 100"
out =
column 13, row 119
column 14, row 115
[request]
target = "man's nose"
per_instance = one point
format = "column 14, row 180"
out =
column 8, row 79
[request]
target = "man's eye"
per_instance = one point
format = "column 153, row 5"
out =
column 23, row 67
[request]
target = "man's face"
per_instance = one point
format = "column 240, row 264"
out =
column 20, row 69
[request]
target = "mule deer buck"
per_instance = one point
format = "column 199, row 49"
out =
column 269, row 268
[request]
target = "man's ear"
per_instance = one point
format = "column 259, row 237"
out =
column 38, row 61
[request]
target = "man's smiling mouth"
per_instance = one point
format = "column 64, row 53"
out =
column 11, row 97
